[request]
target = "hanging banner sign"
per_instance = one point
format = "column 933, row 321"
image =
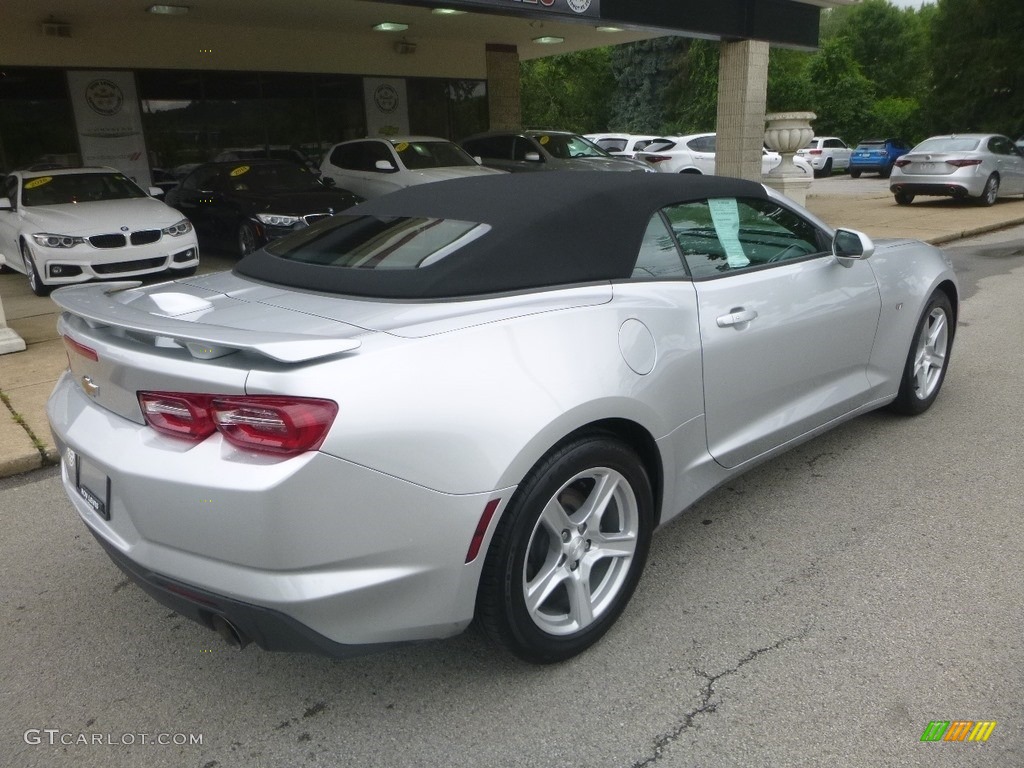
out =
column 109, row 122
column 387, row 109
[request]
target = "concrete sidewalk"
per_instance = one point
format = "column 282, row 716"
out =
column 28, row 377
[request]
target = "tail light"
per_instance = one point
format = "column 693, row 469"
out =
column 814, row 152
column 656, row 158
column 964, row 163
column 265, row 423
column 902, row 163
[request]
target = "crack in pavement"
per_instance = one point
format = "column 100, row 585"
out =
column 707, row 692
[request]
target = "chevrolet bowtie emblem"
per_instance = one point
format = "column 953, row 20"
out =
column 91, row 388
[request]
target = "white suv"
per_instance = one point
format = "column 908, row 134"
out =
column 826, row 154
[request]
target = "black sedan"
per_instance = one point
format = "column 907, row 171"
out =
column 243, row 205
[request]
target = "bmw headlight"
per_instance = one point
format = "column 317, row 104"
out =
column 276, row 220
column 57, row 241
column 183, row 227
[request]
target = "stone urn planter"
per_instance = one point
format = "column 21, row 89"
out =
column 786, row 132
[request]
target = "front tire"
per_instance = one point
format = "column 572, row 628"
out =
column 928, row 359
column 568, row 551
column 35, row 282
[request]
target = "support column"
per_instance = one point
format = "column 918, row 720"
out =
column 503, row 95
column 742, row 98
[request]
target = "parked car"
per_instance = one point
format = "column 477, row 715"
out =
column 620, row 144
column 475, row 398
column 696, row 154
column 375, row 167
column 242, row 206
column 982, row 166
column 271, row 152
column 69, row 225
column 876, row 156
column 544, row 151
column 826, row 154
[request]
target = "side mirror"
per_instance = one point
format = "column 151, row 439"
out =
column 156, row 192
column 533, row 157
column 851, row 244
column 479, row 160
column 5, row 204
column 384, row 165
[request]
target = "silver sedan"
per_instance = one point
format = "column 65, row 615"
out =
column 970, row 165
column 474, row 399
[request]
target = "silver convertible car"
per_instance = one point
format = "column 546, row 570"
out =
column 474, row 399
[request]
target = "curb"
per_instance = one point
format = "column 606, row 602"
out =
column 942, row 239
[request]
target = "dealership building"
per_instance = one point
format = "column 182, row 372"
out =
column 143, row 86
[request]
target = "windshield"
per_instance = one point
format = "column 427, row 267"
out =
column 368, row 242
column 951, row 144
column 418, row 155
column 565, row 146
column 78, row 188
column 260, row 177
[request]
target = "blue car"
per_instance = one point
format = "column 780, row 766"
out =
column 876, row 156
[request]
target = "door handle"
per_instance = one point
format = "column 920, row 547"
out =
column 736, row 317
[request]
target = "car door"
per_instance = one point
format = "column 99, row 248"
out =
column 197, row 198
column 839, row 152
column 786, row 330
column 499, row 151
column 702, row 152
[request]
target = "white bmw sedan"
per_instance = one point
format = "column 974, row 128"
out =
column 71, row 225
column 475, row 399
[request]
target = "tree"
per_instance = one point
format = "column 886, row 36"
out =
column 839, row 94
column 978, row 70
column 568, row 92
column 642, row 71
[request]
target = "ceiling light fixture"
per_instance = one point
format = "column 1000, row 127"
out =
column 390, row 26
column 447, row 12
column 609, row 29
column 168, row 10
column 549, row 40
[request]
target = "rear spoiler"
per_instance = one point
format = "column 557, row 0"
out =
column 93, row 304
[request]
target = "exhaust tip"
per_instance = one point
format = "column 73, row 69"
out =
column 228, row 632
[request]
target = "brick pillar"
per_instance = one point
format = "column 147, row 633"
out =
column 504, row 110
column 742, row 97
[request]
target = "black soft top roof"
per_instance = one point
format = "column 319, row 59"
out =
column 546, row 229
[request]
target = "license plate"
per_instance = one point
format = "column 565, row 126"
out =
column 93, row 486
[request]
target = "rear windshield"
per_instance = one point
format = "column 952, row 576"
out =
column 78, row 188
column 368, row 242
column 947, row 145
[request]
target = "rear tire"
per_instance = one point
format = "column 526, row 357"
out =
column 904, row 198
column 568, row 552
column 928, row 358
column 990, row 194
column 854, row 174
column 826, row 170
column 35, row 282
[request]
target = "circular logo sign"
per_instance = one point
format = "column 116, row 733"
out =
column 579, row 6
column 386, row 98
column 104, row 97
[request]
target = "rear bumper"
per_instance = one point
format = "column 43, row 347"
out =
column 310, row 553
column 935, row 189
column 269, row 629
